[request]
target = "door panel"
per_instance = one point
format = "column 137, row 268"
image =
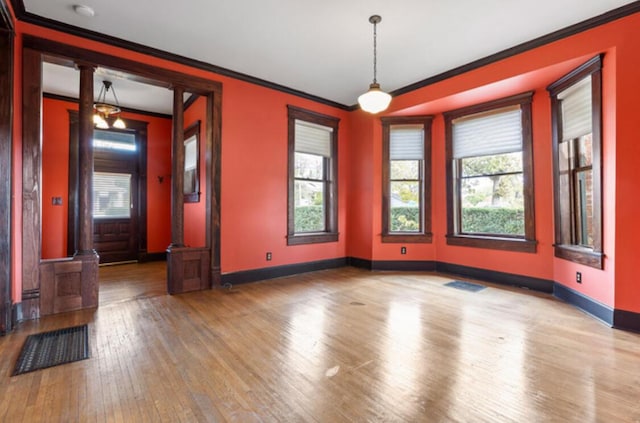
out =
column 115, row 218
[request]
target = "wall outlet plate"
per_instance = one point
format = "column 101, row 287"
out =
column 269, row 256
column 579, row 277
column 403, row 250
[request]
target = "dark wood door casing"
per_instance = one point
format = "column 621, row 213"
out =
column 6, row 166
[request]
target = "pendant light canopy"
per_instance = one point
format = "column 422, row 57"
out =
column 107, row 115
column 375, row 100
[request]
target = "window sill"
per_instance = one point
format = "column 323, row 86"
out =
column 494, row 243
column 407, row 238
column 312, row 238
column 581, row 255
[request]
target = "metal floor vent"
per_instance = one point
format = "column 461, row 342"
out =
column 465, row 286
column 48, row 349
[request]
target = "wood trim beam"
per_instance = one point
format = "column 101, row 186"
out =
column 177, row 169
column 195, row 84
column 85, row 159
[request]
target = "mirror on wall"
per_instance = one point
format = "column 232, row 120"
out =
column 192, row 163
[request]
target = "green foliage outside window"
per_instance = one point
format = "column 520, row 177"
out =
column 405, row 219
column 487, row 220
column 309, row 219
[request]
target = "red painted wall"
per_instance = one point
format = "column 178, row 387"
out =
column 194, row 213
column 55, row 178
column 254, row 147
column 254, row 179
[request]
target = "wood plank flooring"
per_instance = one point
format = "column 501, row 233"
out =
column 331, row 346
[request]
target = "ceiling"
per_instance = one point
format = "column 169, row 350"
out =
column 322, row 48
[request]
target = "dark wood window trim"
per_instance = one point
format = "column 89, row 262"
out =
column 526, row 244
column 425, row 235
column 331, row 204
column 565, row 248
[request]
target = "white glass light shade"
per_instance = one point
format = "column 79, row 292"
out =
column 100, row 122
column 375, row 100
column 119, row 123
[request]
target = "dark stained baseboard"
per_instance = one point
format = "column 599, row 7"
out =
column 528, row 282
column 584, row 303
column 626, row 320
column 16, row 314
column 147, row 257
column 399, row 265
column 254, row 275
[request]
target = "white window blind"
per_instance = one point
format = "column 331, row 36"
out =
column 575, row 103
column 111, row 195
column 313, row 139
column 406, row 142
column 486, row 134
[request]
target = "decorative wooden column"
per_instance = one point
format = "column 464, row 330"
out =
column 72, row 284
column 85, row 159
column 187, row 268
column 177, row 169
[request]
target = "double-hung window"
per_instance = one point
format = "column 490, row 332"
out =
column 490, row 176
column 406, row 179
column 313, row 182
column 576, row 116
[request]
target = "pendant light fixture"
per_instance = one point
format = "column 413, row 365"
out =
column 107, row 115
column 375, row 100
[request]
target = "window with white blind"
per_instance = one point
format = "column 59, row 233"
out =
column 406, row 174
column 576, row 113
column 111, row 195
column 490, row 175
column 313, row 190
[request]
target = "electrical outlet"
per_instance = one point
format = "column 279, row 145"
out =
column 269, row 256
column 403, row 250
column 579, row 277
column 56, row 201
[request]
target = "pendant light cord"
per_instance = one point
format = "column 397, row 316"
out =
column 375, row 52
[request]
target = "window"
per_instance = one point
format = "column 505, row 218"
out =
column 114, row 140
column 490, row 201
column 406, row 179
column 111, row 195
column 576, row 115
column 313, row 177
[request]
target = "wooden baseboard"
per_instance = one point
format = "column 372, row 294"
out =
column 254, row 275
column 588, row 305
column 148, row 257
column 511, row 279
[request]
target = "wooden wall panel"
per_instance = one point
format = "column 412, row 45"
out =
column 31, row 98
column 68, row 284
column 188, row 269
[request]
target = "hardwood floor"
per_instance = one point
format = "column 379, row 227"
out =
column 330, row 346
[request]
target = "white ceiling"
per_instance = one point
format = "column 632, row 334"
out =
column 324, row 48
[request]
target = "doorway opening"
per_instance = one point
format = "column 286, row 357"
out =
column 119, row 191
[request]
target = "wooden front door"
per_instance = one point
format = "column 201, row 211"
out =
column 115, row 196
